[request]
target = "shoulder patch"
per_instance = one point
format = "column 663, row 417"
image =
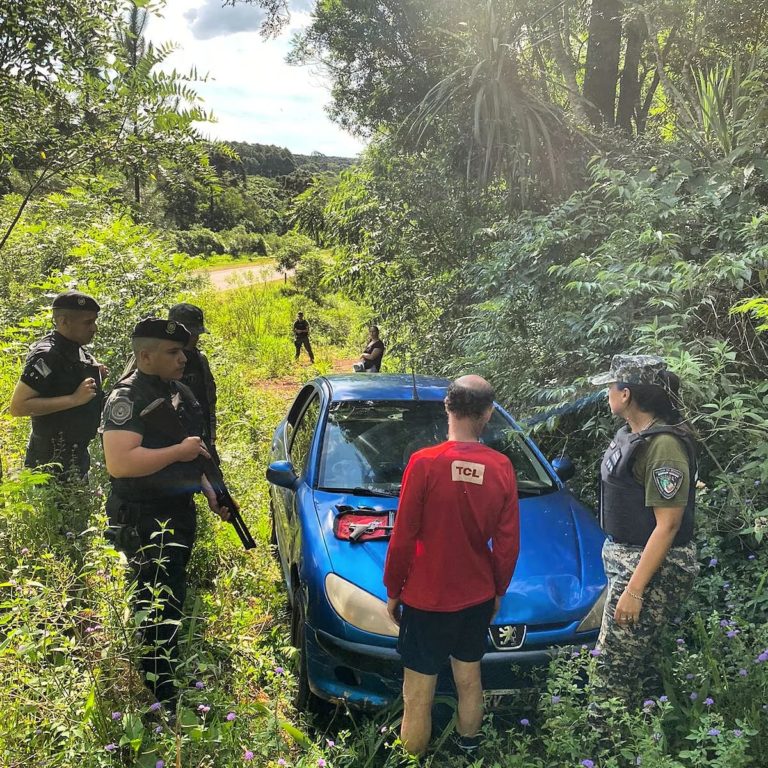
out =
column 668, row 481
column 120, row 410
column 42, row 368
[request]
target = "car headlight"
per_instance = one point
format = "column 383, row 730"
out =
column 594, row 618
column 358, row 607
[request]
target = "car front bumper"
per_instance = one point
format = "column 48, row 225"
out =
column 369, row 677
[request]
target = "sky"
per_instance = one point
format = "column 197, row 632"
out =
column 254, row 94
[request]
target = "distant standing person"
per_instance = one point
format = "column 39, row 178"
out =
column 197, row 372
column 647, row 509
column 373, row 352
column 456, row 498
column 301, row 337
column 61, row 388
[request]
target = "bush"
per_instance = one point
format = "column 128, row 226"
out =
column 239, row 242
column 310, row 276
column 291, row 249
column 199, row 241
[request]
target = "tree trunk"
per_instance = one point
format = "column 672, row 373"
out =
column 629, row 94
column 565, row 64
column 602, row 66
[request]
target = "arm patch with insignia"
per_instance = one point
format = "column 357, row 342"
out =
column 120, row 411
column 668, row 481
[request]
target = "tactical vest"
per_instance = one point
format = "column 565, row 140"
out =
column 623, row 513
column 182, row 478
column 74, row 425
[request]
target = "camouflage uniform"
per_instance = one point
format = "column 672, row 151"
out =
column 627, row 666
column 641, row 471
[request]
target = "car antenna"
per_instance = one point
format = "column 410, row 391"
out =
column 413, row 379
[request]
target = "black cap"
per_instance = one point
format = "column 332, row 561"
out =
column 75, row 300
column 190, row 315
column 157, row 328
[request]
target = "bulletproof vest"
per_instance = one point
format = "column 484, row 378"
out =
column 177, row 479
column 72, row 365
column 623, row 513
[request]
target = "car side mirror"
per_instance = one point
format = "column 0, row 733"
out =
column 283, row 474
column 564, row 468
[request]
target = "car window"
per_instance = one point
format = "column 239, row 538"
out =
column 367, row 444
column 302, row 435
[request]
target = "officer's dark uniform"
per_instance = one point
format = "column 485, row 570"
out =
column 197, row 372
column 138, row 508
column 301, row 338
column 655, row 467
column 56, row 366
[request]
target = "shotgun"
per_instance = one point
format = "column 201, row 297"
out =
column 162, row 416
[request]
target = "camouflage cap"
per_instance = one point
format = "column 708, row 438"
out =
column 190, row 316
column 632, row 369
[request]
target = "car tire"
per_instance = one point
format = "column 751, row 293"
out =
column 303, row 699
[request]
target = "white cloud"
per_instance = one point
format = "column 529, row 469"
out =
column 253, row 93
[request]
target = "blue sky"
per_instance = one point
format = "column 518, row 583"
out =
column 253, row 93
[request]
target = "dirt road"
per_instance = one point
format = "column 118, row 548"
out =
column 230, row 277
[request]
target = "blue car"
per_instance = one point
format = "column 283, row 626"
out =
column 343, row 447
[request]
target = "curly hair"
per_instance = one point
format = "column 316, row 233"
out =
column 468, row 402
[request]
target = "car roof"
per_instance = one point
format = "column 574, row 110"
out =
column 384, row 386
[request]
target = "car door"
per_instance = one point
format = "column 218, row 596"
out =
column 299, row 433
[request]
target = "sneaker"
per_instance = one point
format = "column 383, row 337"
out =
column 468, row 744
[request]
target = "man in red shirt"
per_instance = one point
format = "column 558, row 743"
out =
column 450, row 560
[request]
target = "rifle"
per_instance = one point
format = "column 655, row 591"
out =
column 163, row 417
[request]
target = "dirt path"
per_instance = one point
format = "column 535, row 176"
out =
column 229, row 277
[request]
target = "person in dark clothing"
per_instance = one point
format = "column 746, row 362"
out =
column 373, row 352
column 61, row 389
column 301, row 337
column 150, row 509
column 197, row 372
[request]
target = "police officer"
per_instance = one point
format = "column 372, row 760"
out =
column 197, row 372
column 153, row 479
column 301, row 336
column 61, row 388
column 647, row 489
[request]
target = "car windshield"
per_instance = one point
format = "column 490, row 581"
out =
column 367, row 445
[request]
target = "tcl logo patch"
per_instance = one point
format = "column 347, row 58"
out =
column 467, row 472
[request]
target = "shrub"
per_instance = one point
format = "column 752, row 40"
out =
column 199, row 241
column 239, row 242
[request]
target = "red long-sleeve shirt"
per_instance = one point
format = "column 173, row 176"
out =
column 456, row 498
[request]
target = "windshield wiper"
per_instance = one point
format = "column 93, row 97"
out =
column 360, row 491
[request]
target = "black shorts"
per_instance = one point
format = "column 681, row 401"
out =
column 428, row 638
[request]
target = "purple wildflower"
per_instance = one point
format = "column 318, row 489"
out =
column 110, row 747
column 159, row 729
column 732, row 633
column 204, row 708
column 199, row 685
column 279, row 670
column 694, row 696
column 156, row 707
column 709, row 701
column 588, row 763
column 525, row 722
column 663, row 699
column 680, row 641
column 248, row 755
column 648, row 703
column 555, row 699
column 595, row 652
column 725, row 623
column 743, row 672
column 714, row 731
column 738, row 733
column 117, row 715
column 321, row 763
column 160, row 764
column 24, row 551
column 762, row 657
column 689, row 676
column 330, row 742
column 713, row 562
column 231, row 716
column 281, row 762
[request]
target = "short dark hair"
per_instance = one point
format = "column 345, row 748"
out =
column 374, row 329
column 468, row 402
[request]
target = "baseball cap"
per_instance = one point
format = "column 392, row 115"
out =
column 632, row 369
column 190, row 316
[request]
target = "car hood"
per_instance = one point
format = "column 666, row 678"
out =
column 558, row 577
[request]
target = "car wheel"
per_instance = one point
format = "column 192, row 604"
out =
column 303, row 699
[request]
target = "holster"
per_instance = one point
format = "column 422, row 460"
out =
column 123, row 520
